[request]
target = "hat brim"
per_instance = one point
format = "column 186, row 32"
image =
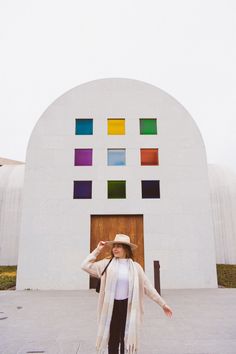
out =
column 131, row 245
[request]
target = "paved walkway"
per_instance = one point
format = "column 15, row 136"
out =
column 64, row 322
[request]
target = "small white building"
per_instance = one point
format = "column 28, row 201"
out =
column 222, row 182
column 116, row 156
column 11, row 182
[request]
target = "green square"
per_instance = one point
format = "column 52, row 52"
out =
column 148, row 126
column 116, row 189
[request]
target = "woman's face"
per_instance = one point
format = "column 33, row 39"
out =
column 118, row 250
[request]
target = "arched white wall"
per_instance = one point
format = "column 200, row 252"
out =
column 55, row 233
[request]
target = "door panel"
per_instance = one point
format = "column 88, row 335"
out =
column 105, row 227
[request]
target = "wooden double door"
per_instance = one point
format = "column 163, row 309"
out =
column 105, row 227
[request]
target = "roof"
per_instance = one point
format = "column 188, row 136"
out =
column 4, row 161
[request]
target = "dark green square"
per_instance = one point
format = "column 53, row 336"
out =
column 148, row 126
column 116, row 189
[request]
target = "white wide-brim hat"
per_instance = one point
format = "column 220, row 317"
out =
column 121, row 238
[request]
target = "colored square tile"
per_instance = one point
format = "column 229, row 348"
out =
column 83, row 157
column 116, row 126
column 149, row 157
column 116, row 189
column 148, row 126
column 150, row 189
column 82, row 189
column 83, row 126
column 116, row 157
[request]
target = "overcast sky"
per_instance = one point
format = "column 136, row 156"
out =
column 185, row 47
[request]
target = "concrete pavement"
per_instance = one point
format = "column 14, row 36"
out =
column 64, row 322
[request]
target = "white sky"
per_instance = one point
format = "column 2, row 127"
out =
column 185, row 47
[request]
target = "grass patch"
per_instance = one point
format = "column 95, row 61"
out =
column 226, row 274
column 7, row 277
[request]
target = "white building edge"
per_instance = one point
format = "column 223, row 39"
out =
column 11, row 183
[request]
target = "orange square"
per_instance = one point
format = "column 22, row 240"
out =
column 149, row 157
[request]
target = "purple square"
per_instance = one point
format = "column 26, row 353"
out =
column 82, row 189
column 83, row 157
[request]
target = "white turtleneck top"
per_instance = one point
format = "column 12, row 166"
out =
column 122, row 285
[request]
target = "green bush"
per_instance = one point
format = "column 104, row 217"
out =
column 7, row 277
column 226, row 274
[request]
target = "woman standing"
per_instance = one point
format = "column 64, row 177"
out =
column 120, row 303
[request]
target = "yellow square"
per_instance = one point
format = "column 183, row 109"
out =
column 116, row 126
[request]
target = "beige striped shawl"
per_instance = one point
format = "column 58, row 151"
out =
column 105, row 308
column 139, row 285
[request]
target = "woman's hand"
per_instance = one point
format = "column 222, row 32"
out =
column 167, row 310
column 101, row 245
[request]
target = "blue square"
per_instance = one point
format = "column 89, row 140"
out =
column 84, row 126
column 116, row 157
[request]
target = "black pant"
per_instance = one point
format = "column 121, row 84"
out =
column 117, row 327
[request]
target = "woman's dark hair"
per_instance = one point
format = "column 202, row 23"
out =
column 128, row 250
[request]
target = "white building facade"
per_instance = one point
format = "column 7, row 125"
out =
column 111, row 156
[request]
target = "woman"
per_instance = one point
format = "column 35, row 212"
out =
column 120, row 303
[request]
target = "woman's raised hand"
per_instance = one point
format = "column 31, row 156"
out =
column 101, row 245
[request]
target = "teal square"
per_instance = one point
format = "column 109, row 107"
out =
column 84, row 126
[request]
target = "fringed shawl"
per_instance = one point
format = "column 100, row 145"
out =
column 139, row 285
column 105, row 308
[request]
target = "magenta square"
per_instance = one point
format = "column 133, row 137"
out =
column 83, row 157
